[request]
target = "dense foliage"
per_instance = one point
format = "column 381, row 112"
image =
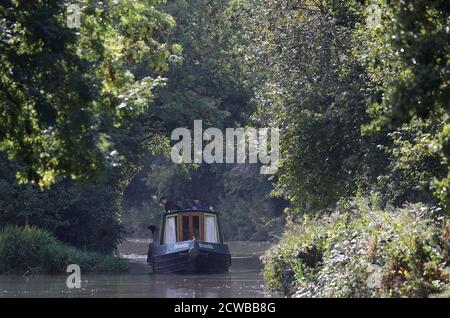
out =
column 30, row 250
column 82, row 215
column 207, row 85
column 238, row 192
column 359, row 91
column 407, row 55
column 309, row 84
column 320, row 72
column 362, row 251
column 63, row 90
column 70, row 100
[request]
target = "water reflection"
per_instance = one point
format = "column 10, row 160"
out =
column 233, row 284
column 243, row 280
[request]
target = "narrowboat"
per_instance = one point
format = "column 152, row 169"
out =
column 188, row 241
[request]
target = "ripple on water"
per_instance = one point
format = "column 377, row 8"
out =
column 243, row 280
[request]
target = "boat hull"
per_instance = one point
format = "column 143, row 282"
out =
column 190, row 257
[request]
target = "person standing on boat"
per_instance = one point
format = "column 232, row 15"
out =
column 168, row 205
column 197, row 205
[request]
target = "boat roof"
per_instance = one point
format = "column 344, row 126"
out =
column 190, row 210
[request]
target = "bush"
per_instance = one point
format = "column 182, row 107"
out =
column 82, row 215
column 137, row 219
column 363, row 252
column 32, row 250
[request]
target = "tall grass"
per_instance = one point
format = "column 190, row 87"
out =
column 32, row 250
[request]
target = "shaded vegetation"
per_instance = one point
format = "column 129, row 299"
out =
column 207, row 84
column 319, row 76
column 30, row 250
column 359, row 91
column 64, row 91
column 84, row 216
column 363, row 251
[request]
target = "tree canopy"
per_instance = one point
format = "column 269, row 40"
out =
column 360, row 91
column 62, row 89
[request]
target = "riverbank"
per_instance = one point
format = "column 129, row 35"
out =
column 363, row 252
column 30, row 250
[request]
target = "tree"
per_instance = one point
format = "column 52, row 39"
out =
column 63, row 90
column 85, row 216
column 299, row 59
column 206, row 84
column 323, row 74
column 407, row 57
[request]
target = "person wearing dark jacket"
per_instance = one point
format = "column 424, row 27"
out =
column 197, row 205
column 168, row 205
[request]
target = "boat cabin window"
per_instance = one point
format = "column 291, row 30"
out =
column 211, row 233
column 170, row 232
column 185, row 229
column 191, row 225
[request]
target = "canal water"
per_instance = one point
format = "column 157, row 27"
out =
column 243, row 280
